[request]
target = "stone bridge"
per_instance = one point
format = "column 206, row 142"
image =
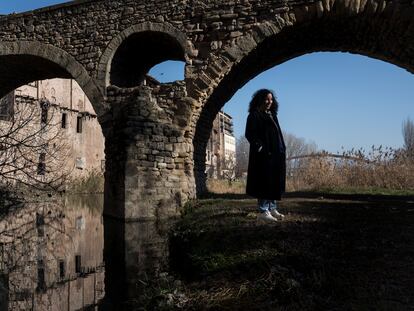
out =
column 156, row 134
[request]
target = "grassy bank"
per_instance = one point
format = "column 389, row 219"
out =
column 222, row 187
column 326, row 255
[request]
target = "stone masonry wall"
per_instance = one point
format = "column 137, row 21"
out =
column 85, row 28
column 154, row 149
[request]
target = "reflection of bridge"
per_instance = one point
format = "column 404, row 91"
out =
column 156, row 135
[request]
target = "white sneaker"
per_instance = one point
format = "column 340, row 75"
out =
column 276, row 214
column 266, row 216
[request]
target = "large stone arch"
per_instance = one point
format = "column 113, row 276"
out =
column 26, row 61
column 105, row 62
column 376, row 30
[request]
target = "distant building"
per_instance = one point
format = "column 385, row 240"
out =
column 62, row 103
column 221, row 148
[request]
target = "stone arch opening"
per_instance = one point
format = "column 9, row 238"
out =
column 18, row 70
column 376, row 36
column 168, row 71
column 49, row 83
column 25, row 62
column 139, row 53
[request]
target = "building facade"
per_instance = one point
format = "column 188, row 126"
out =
column 57, row 113
column 221, row 148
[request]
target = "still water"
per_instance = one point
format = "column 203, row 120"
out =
column 51, row 255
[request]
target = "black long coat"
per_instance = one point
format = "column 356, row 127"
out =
column 267, row 168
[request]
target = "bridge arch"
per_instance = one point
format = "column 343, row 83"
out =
column 131, row 54
column 378, row 31
column 17, row 67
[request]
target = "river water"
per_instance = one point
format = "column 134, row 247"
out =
column 51, row 255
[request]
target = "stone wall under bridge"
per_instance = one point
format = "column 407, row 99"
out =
column 149, row 177
column 149, row 152
column 156, row 134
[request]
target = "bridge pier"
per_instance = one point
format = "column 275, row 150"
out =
column 148, row 178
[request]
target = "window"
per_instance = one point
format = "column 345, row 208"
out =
column 79, row 124
column 7, row 107
column 80, row 163
column 62, row 269
column 78, row 264
column 4, row 292
column 2, row 260
column 80, row 223
column 41, row 166
column 44, row 106
column 64, row 120
column 4, row 282
column 41, row 283
column 40, row 221
column 22, row 295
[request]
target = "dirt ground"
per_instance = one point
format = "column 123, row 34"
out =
column 327, row 254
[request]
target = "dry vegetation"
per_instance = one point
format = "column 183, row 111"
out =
column 222, row 186
column 89, row 184
column 379, row 171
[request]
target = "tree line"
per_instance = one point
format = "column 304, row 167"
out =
column 298, row 148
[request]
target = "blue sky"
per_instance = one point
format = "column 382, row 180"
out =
column 17, row 6
column 332, row 99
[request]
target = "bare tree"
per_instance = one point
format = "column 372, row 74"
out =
column 408, row 135
column 229, row 168
column 242, row 156
column 32, row 146
column 297, row 146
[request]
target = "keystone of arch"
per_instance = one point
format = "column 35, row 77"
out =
column 104, row 65
column 63, row 60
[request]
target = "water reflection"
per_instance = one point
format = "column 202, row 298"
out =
column 51, row 255
column 135, row 253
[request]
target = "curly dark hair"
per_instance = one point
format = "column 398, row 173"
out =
column 258, row 101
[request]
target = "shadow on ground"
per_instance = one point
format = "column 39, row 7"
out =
column 326, row 255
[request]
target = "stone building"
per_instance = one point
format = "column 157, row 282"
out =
column 71, row 124
column 221, row 148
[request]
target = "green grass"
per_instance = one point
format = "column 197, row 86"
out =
column 221, row 188
column 367, row 191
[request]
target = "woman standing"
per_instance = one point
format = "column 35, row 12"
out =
column 267, row 160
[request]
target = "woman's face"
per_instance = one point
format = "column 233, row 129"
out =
column 268, row 101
